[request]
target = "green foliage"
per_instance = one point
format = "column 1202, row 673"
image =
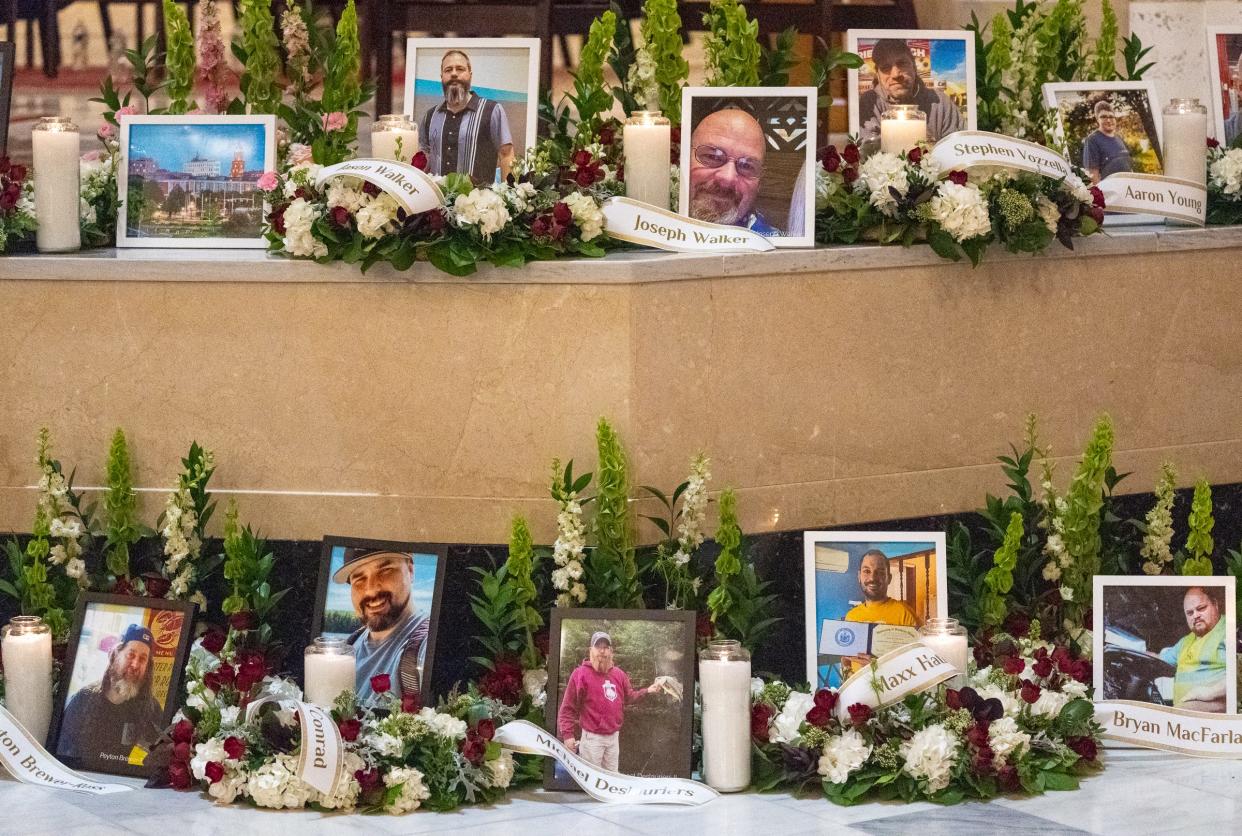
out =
column 776, row 62
column 248, row 566
column 622, row 57
column 1104, row 58
column 661, row 28
column 1233, row 566
column 180, row 59
column 120, row 506
column 823, row 64
column 732, row 46
column 998, row 582
column 1084, row 502
column 342, row 85
column 740, row 606
column 496, row 606
column 729, row 561
column 611, row 565
column 1199, row 542
column 1133, row 52
column 521, row 568
column 258, row 52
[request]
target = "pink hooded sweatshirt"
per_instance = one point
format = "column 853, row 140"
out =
column 595, row 701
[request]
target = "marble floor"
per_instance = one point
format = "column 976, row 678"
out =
column 1140, row 792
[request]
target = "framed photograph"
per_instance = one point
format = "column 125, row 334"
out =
column 475, row 101
column 193, row 181
column 868, row 592
column 121, row 681
column 8, row 65
column 1109, row 126
column 750, row 160
column 1225, row 71
column 621, row 690
column 1166, row 640
column 383, row 598
column 931, row 68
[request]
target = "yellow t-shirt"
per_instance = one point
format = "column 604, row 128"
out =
column 888, row 611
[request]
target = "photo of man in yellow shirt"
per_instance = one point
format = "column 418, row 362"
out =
column 876, row 606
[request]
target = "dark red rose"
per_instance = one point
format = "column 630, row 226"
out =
column 349, row 729
column 582, row 158
column 226, row 673
column 958, row 177
column 214, row 771
column 1030, row 692
column 703, row 626
column 252, row 664
column 1042, row 668
column 434, row 218
column 339, row 216
column 503, row 682
column 819, row 716
column 621, row 172
column 1097, row 215
column 1084, row 747
column 561, row 213
column 368, row 779
column 410, row 703
column 157, row 586
column 1212, row 143
column 245, row 619
column 977, row 735
column 982, row 760
column 300, row 191
column 213, row 640
column 183, row 732
column 17, row 173
column 607, row 134
column 761, row 715
column 474, row 749
column 1082, row 671
column 860, row 713
column 584, row 177
column 381, row 683
column 826, row 698
column 914, row 155
column 849, row 174
column 234, row 747
column 181, row 752
column 122, row 585
column 1009, row 780
column 212, row 681
column 5, row 165
column 486, row 729
column 1013, row 665
column 953, row 699
column 1017, row 624
column 419, row 161
column 179, row 775
column 850, row 153
column 540, row 227
column 7, row 201
column 370, row 189
column 831, row 159
column 1097, row 197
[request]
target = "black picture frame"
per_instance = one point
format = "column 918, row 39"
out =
column 8, row 65
column 172, row 700
column 440, row 550
column 689, row 671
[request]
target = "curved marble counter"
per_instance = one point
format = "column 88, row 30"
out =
column 829, row 386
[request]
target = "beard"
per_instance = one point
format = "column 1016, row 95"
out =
column 385, row 618
column 717, row 204
column 456, row 93
column 1201, row 628
column 901, row 93
column 118, row 689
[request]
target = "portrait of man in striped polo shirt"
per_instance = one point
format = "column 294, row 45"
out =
column 465, row 132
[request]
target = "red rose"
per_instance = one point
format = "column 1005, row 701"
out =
column 179, row 775
column 1082, row 671
column 226, row 674
column 381, row 683
column 977, row 735
column 860, row 713
column 584, row 177
column 183, row 732
column 1084, row 747
column 368, row 779
column 410, row 703
column 607, row 134
column 339, row 215
column 1211, row 143
column 213, row 640
column 540, row 227
column 370, row 189
column 1042, row 668
column 761, row 715
column 1030, row 692
column 982, row 761
column 703, row 626
column 561, row 213
column 1097, row 197
column 300, row 191
column 214, row 771
column 1013, row 665
column 252, row 665
column 245, row 619
column 831, row 160
column 582, row 158
column 826, row 698
column 542, row 638
column 7, row 201
column 435, row 220
column 486, row 729
column 419, row 161
column 819, row 716
column 1009, row 780
column 181, row 752
column 914, row 155
column 474, row 749
column 349, row 729
column 1017, row 625
column 17, row 173
column 234, row 747
column 5, row 165
column 850, row 153
column 953, row 699
column 958, row 177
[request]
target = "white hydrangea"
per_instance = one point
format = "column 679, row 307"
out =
column 205, row 753
column 1006, row 738
column 299, row 216
column 377, row 218
column 1226, row 172
column 930, row 755
column 445, row 725
column 878, row 174
column 347, row 788
column 1048, row 212
column 482, row 208
column 825, row 188
column 274, row 785
column 1049, row 703
column 587, row 215
column 413, row 790
column 1074, row 689
column 785, row 726
column 346, row 192
column 501, row 769
column 842, row 755
column 961, row 211
column 518, row 197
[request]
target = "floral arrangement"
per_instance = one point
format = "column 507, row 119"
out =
column 906, row 198
column 1224, row 184
column 1024, row 724
column 17, row 213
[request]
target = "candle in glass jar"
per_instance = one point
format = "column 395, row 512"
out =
column 329, row 670
column 947, row 638
column 902, row 127
column 394, row 137
column 724, row 681
column 647, row 137
column 27, row 655
column 1185, row 140
column 56, row 151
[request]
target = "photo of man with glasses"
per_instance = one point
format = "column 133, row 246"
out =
column 1103, row 151
column 726, row 169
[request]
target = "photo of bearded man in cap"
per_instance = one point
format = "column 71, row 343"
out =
column 393, row 637
column 109, row 718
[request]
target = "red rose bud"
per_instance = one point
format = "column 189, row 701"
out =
column 181, row 752
column 179, row 777
column 831, row 160
column 410, row 703
column 540, row 227
column 339, row 216
column 234, row 747
column 584, row 177
column 419, row 161
column 486, row 729
column 474, row 749
column 915, row 155
column 958, row 177
column 213, row 641
column 349, row 729
column 214, row 771
column 760, row 718
column 1042, row 668
column 1211, row 143
column 850, row 153
column 245, row 619
column 860, row 713
column 381, row 683
column 1084, row 747
column 819, row 716
column 226, row 674
column 1013, row 665
column 183, row 731
column 1097, row 197
column 1030, row 692
column 827, row 698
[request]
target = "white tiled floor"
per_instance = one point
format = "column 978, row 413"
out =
column 1139, row 793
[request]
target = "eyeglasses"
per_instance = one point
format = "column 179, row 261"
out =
column 713, row 157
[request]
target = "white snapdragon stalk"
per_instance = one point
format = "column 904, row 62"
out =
column 693, row 510
column 641, row 80
column 65, row 527
column 930, row 755
column 568, row 551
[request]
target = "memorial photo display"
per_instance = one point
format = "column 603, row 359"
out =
column 621, row 691
column 121, row 683
column 1166, row 640
column 867, row 592
column 1225, row 72
column 1109, row 126
column 383, row 599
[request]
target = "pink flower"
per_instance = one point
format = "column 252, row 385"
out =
column 267, row 182
column 334, row 121
column 93, row 156
column 106, row 131
column 127, row 110
column 300, row 154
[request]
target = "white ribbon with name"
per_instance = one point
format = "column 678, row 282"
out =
column 319, row 764
column 893, row 677
column 642, row 223
column 412, row 188
column 602, row 784
column 964, row 150
column 1198, row 733
column 1152, row 194
column 30, row 763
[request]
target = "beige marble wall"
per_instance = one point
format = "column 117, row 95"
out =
column 827, row 389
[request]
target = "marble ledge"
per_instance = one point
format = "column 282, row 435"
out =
column 621, row 268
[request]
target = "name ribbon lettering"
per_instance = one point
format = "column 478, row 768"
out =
column 894, row 676
column 641, row 223
column 27, row 761
column 1152, row 194
column 320, row 759
column 1198, row 733
column 964, row 150
column 412, row 188
column 602, row 784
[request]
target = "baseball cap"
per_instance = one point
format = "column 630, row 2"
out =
column 356, row 557
column 599, row 635
column 137, row 633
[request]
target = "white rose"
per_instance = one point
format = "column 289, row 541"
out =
column 930, row 755
column 785, row 726
column 842, row 755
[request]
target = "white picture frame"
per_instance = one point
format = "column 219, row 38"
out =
column 132, row 130
column 1100, row 636
column 801, row 188
column 937, row 571
column 1216, row 82
column 531, row 46
column 853, row 39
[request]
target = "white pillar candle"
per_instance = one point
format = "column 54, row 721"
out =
column 724, row 680
column 55, row 145
column 949, row 647
column 329, row 670
column 1185, row 140
column 898, row 134
column 27, row 654
column 647, row 137
column 394, row 137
